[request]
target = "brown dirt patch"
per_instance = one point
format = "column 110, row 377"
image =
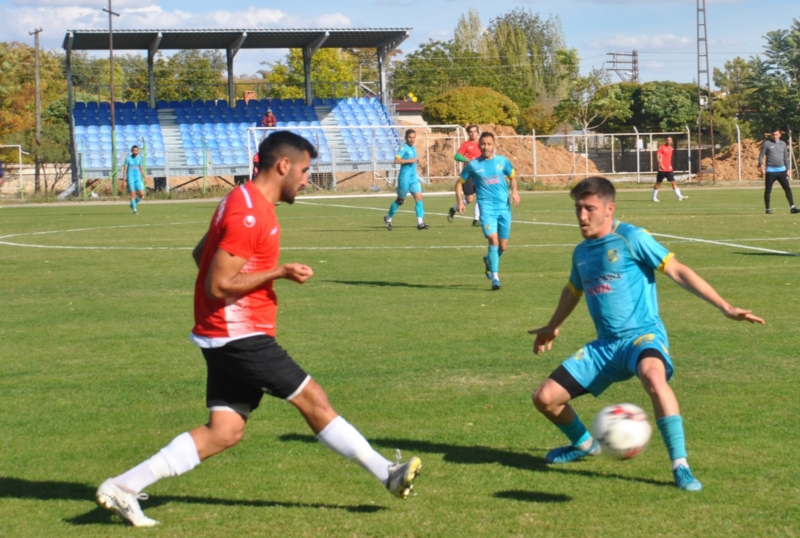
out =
column 727, row 165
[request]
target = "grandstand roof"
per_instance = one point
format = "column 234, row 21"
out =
column 222, row 39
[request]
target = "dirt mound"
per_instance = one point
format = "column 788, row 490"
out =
column 727, row 165
column 436, row 158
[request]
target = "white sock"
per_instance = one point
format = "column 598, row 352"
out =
column 388, row 219
column 344, row 439
column 419, row 220
column 678, row 193
column 496, row 276
column 655, row 194
column 477, row 212
column 586, row 445
column 178, row 457
column 678, row 462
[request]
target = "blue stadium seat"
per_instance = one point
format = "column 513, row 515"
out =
column 191, row 160
column 92, row 106
column 142, row 105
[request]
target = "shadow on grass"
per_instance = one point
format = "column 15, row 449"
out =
column 19, row 488
column 481, row 455
column 787, row 254
column 382, row 284
column 533, row 496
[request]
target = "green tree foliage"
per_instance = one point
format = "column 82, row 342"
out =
column 471, row 105
column 332, row 74
column 540, row 118
column 516, row 55
column 591, row 101
column 668, row 106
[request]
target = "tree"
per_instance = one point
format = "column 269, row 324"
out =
column 590, row 100
column 732, row 80
column 471, row 105
column 333, row 69
column 668, row 106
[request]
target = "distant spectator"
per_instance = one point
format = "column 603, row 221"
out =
column 774, row 164
column 269, row 119
column 2, row 172
column 255, row 166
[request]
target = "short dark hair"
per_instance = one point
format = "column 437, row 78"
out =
column 473, row 126
column 280, row 144
column 597, row 185
column 486, row 134
column 410, row 131
column 137, row 147
column 775, row 129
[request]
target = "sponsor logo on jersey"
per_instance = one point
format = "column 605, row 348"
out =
column 611, row 277
column 274, row 231
column 599, row 289
column 613, row 255
column 579, row 355
column 249, row 221
column 494, row 180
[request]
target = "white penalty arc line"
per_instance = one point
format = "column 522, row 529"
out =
column 677, row 237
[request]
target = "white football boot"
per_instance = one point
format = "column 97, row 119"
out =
column 112, row 497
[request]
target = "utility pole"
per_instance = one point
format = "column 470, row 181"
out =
column 625, row 65
column 36, row 161
column 111, row 14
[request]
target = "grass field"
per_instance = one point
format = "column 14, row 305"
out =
column 415, row 350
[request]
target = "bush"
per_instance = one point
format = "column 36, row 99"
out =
column 540, row 118
column 471, row 105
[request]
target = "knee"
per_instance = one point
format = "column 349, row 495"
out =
column 543, row 399
column 654, row 381
column 227, row 437
column 400, row 201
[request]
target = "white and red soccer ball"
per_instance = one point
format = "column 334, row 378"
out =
column 622, row 430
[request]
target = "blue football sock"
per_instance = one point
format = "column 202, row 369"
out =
column 138, row 199
column 671, row 429
column 419, row 209
column 500, row 253
column 393, row 209
column 494, row 259
column 133, row 204
column 575, row 431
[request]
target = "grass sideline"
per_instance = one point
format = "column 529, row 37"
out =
column 415, row 350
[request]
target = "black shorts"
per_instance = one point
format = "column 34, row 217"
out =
column 468, row 187
column 242, row 371
column 661, row 175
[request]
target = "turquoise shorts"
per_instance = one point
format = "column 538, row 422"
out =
column 135, row 184
column 600, row 363
column 404, row 186
column 496, row 222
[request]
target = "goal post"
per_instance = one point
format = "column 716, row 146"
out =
column 5, row 186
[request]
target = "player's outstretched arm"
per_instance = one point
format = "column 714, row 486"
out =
column 545, row 335
column 225, row 279
column 460, row 197
column 694, row 283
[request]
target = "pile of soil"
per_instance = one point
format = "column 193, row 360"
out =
column 519, row 150
column 727, row 165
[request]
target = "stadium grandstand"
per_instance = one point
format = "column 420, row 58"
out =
column 219, row 137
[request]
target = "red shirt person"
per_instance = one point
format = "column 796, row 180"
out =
column 269, row 119
column 469, row 150
column 235, row 313
column 665, row 170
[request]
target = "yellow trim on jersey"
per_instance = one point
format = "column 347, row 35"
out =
column 663, row 266
column 614, row 229
column 513, row 173
column 461, row 180
column 575, row 292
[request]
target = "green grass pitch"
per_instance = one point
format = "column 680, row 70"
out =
column 415, row 350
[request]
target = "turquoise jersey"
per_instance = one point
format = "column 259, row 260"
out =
column 489, row 177
column 617, row 275
column 133, row 167
column 408, row 172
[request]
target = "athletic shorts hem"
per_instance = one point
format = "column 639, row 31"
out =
column 660, row 176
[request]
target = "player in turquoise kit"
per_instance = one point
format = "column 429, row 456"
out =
column 407, row 181
column 615, row 268
column 489, row 172
column 132, row 174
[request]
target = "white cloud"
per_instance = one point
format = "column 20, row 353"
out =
column 643, row 42
column 55, row 17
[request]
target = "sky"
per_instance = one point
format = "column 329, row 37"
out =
column 664, row 33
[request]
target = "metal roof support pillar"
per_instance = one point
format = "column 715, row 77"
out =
column 308, row 53
column 151, row 54
column 231, row 52
column 73, row 157
column 384, row 50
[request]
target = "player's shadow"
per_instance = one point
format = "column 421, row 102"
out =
column 49, row 490
column 383, row 284
column 779, row 254
column 533, row 496
column 481, row 455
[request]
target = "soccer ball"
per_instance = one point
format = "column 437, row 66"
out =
column 622, row 430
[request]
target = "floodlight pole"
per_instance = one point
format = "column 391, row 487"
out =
column 111, row 14
column 36, row 33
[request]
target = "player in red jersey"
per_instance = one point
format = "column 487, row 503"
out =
column 235, row 310
column 665, row 170
column 469, row 150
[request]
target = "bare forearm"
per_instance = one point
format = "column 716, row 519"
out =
column 241, row 284
column 687, row 279
column 459, row 191
column 566, row 304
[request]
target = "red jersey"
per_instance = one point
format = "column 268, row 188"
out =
column 470, row 150
column 665, row 152
column 244, row 225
